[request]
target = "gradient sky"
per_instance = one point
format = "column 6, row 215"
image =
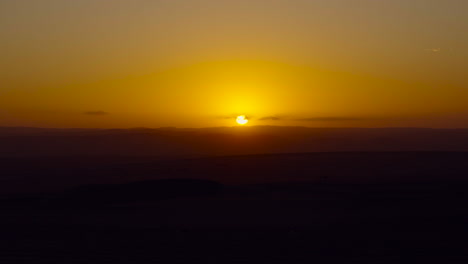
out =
column 198, row 63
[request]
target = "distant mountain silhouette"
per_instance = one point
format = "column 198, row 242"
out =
column 113, row 194
column 223, row 141
column 134, row 192
column 45, row 174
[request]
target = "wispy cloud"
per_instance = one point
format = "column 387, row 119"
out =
column 329, row 119
column 300, row 119
column 310, row 119
column 96, row 113
column 433, row 50
column 272, row 118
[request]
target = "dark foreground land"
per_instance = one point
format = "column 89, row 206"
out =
column 387, row 207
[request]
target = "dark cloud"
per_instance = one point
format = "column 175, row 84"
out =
column 311, row 119
column 272, row 118
column 96, row 113
column 329, row 118
column 293, row 118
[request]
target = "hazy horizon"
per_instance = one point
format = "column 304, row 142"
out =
column 235, row 127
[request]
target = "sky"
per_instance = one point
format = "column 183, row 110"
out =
column 200, row 63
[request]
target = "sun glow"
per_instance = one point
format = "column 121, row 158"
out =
column 242, row 120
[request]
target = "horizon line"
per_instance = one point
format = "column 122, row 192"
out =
column 234, row 127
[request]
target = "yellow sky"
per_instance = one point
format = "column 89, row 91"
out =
column 198, row 63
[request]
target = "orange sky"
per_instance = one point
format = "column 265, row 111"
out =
column 198, row 63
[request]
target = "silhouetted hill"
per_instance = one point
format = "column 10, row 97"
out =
column 46, row 173
column 136, row 192
column 96, row 195
column 334, row 207
column 171, row 142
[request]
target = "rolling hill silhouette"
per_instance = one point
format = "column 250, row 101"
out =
column 233, row 195
column 173, row 142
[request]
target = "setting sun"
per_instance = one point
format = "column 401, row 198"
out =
column 242, row 120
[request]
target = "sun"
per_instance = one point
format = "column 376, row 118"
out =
column 242, row 120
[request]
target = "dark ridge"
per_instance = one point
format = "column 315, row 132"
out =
column 113, row 194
